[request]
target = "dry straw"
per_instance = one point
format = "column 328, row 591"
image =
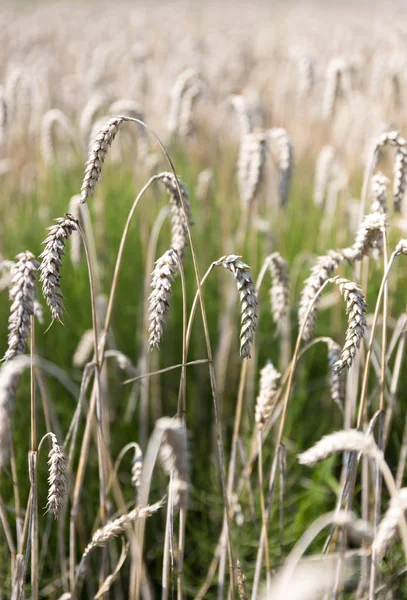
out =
column 265, row 404
column 355, row 308
column 22, row 297
column 52, row 262
column 57, row 483
column 158, row 302
column 248, row 299
column 320, row 273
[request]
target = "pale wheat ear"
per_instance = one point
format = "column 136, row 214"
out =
column 57, row 477
column 380, row 190
column 336, row 377
column 368, row 238
column 174, row 458
column 158, row 302
column 265, row 404
column 387, row 529
column 280, row 139
column 325, row 163
column 180, row 209
column 251, row 165
column 320, row 273
column 350, row 440
column 52, row 261
column 356, row 308
column 22, row 297
column 280, row 289
column 248, row 299
column 136, row 467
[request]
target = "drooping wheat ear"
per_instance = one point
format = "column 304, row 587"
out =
column 355, row 308
column 265, row 404
column 387, row 529
column 158, row 303
column 251, row 163
column 323, row 173
column 241, row 582
column 306, row 76
column 76, row 242
column 368, row 238
column 174, row 457
column 52, row 261
column 285, row 158
column 336, row 378
column 10, row 375
column 248, row 299
column 18, row 92
column 97, row 155
column 280, row 289
column 379, row 189
column 57, row 484
column 189, row 100
column 243, row 112
column 123, row 106
column 112, row 530
column 22, row 297
column 83, row 349
column 391, row 138
column 350, row 440
column 401, row 247
column 204, row 184
column 400, row 177
column 94, row 105
column 49, row 121
column 182, row 84
column 136, row 466
column 179, row 224
column 320, row 272
column 336, row 78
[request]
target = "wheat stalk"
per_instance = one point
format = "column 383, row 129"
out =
column 22, row 297
column 248, row 299
column 52, row 261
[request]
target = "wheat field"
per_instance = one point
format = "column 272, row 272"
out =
column 203, row 240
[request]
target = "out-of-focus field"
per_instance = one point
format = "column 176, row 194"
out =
column 272, row 117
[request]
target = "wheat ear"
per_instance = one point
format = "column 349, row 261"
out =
column 251, row 164
column 355, row 308
column 280, row 289
column 285, row 158
column 368, row 238
column 22, row 297
column 179, row 225
column 387, row 529
column 52, row 261
column 174, row 458
column 379, row 190
column 323, row 173
column 350, row 440
column 336, row 378
column 57, row 484
column 248, row 299
column 158, row 302
column 400, row 177
column 136, row 467
column 320, row 272
column 265, row 404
